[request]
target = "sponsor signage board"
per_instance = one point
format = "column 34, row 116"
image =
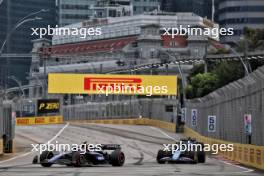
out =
column 211, row 123
column 112, row 84
column 48, row 106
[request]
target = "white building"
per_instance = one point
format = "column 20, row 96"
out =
column 125, row 42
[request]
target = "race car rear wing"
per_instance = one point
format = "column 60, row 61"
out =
column 111, row 146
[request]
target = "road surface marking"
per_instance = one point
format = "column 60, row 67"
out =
column 246, row 170
column 165, row 134
column 25, row 154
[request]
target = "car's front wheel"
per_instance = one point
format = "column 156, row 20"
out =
column 44, row 156
column 161, row 154
column 201, row 156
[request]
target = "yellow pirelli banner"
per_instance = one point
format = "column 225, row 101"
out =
column 21, row 121
column 112, row 84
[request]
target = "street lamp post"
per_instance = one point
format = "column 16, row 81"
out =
column 41, row 83
column 179, row 123
column 33, row 13
column 213, row 9
column 241, row 60
column 180, row 71
column 20, row 22
column 14, row 28
column 20, row 87
column 18, row 83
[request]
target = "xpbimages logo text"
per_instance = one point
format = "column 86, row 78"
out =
column 59, row 147
column 196, row 147
column 214, row 32
column 62, row 31
column 128, row 89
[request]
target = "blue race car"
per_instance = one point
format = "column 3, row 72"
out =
column 78, row 159
column 182, row 157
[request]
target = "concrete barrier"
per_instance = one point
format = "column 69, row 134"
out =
column 24, row 121
column 1, row 146
column 161, row 124
column 141, row 121
column 249, row 155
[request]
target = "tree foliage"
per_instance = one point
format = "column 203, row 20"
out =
column 254, row 38
column 201, row 84
column 219, row 75
column 228, row 71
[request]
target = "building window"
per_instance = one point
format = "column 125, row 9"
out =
column 173, row 44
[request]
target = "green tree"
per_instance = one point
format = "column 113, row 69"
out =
column 197, row 68
column 201, row 85
column 254, row 38
column 228, row 71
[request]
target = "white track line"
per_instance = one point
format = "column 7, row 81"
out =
column 246, row 170
column 165, row 134
column 25, row 154
column 59, row 133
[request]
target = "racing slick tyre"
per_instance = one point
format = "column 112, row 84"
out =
column 201, row 157
column 78, row 159
column 162, row 154
column 35, row 160
column 117, row 158
column 45, row 156
column 192, row 155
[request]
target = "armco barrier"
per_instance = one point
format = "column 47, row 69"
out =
column 39, row 120
column 249, row 155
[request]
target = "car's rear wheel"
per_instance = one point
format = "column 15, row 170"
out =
column 201, row 157
column 78, row 159
column 35, row 160
column 44, row 156
column 117, row 158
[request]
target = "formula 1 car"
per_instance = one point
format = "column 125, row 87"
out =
column 78, row 159
column 182, row 157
